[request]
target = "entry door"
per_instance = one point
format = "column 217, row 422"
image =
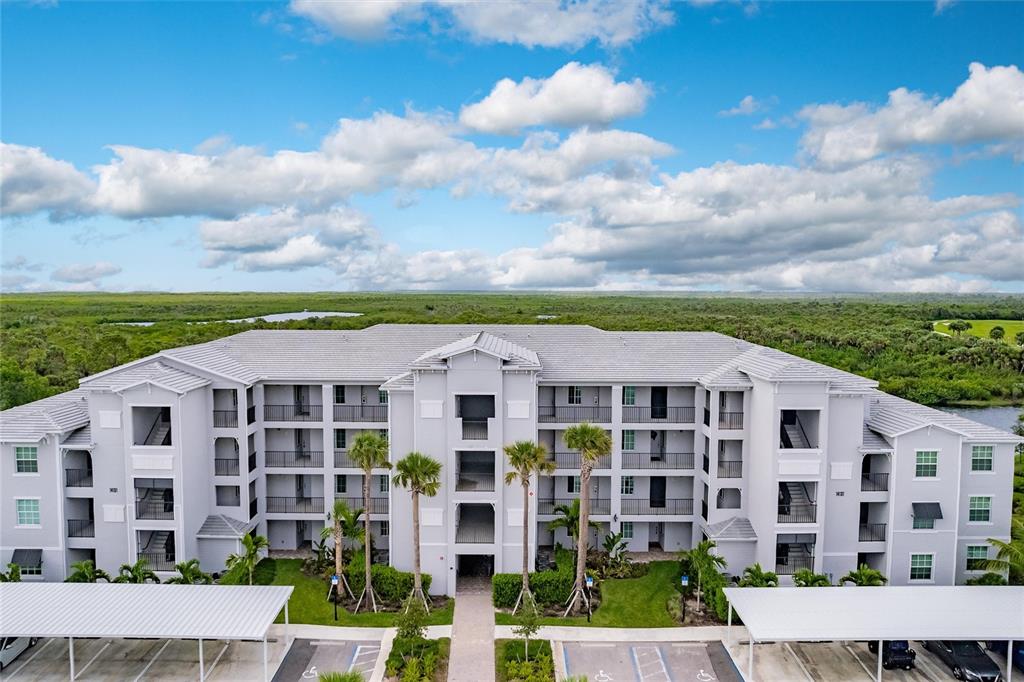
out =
column 658, row 491
column 657, row 531
column 659, row 402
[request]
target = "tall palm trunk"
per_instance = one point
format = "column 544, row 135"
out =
column 338, row 567
column 581, row 542
column 368, row 578
column 526, row 535
column 417, row 579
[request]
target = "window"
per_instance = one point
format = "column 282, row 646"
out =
column 627, row 485
column 921, row 566
column 383, row 433
column 924, row 524
column 927, row 464
column 980, row 509
column 629, row 395
column 28, row 512
column 977, row 557
column 385, row 528
column 32, row 570
column 981, row 458
column 26, row 460
column 628, row 439
column 574, row 485
column 575, row 395
column 385, row 484
column 721, row 401
column 627, row 530
column 341, row 484
column 382, row 397
column 339, row 395
column 340, row 442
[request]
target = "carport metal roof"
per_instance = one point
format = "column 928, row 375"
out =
column 146, row 611
column 872, row 613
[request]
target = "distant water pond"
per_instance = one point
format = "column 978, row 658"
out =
column 276, row 317
column 1000, row 417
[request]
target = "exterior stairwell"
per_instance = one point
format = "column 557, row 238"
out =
column 793, row 434
column 159, row 433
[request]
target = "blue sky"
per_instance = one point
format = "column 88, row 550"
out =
column 641, row 169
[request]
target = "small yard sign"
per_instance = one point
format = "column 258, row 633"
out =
column 685, row 580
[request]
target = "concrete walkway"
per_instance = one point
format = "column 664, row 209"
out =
column 472, row 653
column 559, row 633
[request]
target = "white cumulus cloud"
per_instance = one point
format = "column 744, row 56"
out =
column 32, row 181
column 84, row 272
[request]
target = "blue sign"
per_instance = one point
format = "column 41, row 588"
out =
column 590, row 581
column 685, row 580
column 334, row 580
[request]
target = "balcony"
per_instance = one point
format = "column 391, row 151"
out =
column 676, row 507
column 730, row 420
column 81, row 528
column 253, row 508
column 475, row 524
column 296, row 412
column 474, row 429
column 657, row 460
column 295, row 505
column 598, row 505
column 475, row 471
column 293, row 458
column 872, row 532
column 730, row 469
column 154, row 503
column 788, row 565
column 343, row 461
column 225, row 467
column 159, row 561
column 378, row 505
column 874, row 482
column 78, row 478
column 573, row 460
column 361, row 413
column 645, row 415
column 225, row 418
column 793, row 512
column 573, row 414
column 250, row 414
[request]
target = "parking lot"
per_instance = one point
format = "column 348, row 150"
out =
column 308, row 658
column 130, row 660
column 649, row 661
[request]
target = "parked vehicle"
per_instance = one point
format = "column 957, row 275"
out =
column 1018, row 652
column 967, row 660
column 11, row 648
column 895, row 654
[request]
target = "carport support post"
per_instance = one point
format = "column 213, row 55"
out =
column 1009, row 661
column 266, row 672
column 878, row 670
column 728, row 633
column 286, row 623
column 71, row 656
column 202, row 670
column 750, row 661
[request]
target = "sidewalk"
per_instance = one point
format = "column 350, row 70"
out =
column 472, row 653
column 559, row 633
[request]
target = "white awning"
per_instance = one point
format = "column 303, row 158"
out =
column 146, row 611
column 972, row 612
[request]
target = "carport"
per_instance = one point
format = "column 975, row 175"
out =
column 102, row 610
column 808, row 614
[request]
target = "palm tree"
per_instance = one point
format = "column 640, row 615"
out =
column 86, row 572
column 526, row 459
column 864, row 576
column 569, row 519
column 246, row 562
column 369, row 452
column 593, row 442
column 755, row 576
column 137, row 573
column 190, row 573
column 805, row 577
column 341, row 515
column 421, row 474
column 704, row 561
column 1009, row 555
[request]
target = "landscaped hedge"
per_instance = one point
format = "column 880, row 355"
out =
column 548, row 587
column 390, row 584
column 712, row 586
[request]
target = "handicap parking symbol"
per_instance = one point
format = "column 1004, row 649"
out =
column 705, row 677
column 310, row 674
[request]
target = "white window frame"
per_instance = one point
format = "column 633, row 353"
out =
column 343, row 479
column 385, row 484
column 627, row 530
column 18, row 512
column 629, row 396
column 382, row 396
column 931, row 568
column 931, row 525
column 988, row 509
column 917, row 463
column 627, row 486
column 991, row 459
column 631, row 445
column 576, row 486
column 574, row 392
column 385, row 529
column 968, row 558
column 344, row 439
column 336, row 387
column 20, row 449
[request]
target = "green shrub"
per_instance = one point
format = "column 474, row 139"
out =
column 989, row 578
column 712, row 587
column 419, row 654
column 390, row 584
column 548, row 587
column 340, row 677
column 514, row 649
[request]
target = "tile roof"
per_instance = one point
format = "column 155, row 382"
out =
column 873, row 442
column 220, row 526
column 79, row 438
column 156, row 372
column 735, row 528
column 60, row 414
column 511, row 353
column 892, row 416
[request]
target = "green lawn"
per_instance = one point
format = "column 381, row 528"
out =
column 983, row 327
column 308, row 603
column 629, row 603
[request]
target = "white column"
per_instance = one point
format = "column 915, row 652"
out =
column 878, row 670
column 202, row 670
column 1009, row 661
column 71, row 656
column 750, row 661
column 286, row 640
column 728, row 632
column 266, row 671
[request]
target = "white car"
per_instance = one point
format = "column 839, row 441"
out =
column 11, row 648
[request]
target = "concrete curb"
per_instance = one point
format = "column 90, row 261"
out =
column 582, row 634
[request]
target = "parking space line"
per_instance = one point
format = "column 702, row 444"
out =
column 209, row 671
column 150, row 664
column 799, row 663
column 102, row 649
column 853, row 653
column 38, row 651
column 931, row 672
column 649, row 652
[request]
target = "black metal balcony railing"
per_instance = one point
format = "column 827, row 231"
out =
column 676, row 507
column 78, row 478
column 632, row 414
column 474, row 483
column 704, row 509
column 378, row 505
column 573, row 460
column 343, row 461
column 293, row 413
column 474, row 429
column 788, row 565
column 730, row 469
column 361, row 413
column 657, row 460
column 573, row 414
column 707, row 464
column 81, row 528
column 297, row 505
column 253, row 508
column 252, row 462
column 293, row 458
column 801, row 512
column 872, row 532
column 730, row 420
column 250, row 414
column 598, row 505
column 225, row 467
column 153, row 508
column 474, row 533
column 225, row 418
column 874, row 482
column 158, row 561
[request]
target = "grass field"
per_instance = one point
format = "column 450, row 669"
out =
column 983, row 327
